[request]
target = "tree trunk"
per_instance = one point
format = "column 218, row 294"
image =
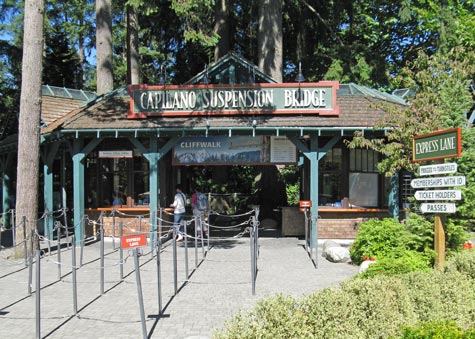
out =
column 269, row 38
column 133, row 65
column 221, row 27
column 104, row 46
column 29, row 125
column 82, row 60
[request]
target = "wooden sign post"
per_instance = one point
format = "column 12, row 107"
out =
column 437, row 146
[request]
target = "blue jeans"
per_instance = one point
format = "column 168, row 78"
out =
column 176, row 221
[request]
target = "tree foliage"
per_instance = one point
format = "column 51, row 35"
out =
column 441, row 100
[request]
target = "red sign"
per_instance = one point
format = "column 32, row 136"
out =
column 132, row 241
column 305, row 203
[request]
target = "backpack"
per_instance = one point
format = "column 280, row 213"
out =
column 202, row 202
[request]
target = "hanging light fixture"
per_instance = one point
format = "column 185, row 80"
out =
column 300, row 78
column 205, row 76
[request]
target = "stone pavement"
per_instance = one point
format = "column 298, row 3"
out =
column 216, row 289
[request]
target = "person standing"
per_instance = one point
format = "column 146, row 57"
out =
column 178, row 205
column 199, row 204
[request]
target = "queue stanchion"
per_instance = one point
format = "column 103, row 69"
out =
column 196, row 240
column 305, row 206
column 185, row 238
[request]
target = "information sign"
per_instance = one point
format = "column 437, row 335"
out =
column 438, row 182
column 446, row 207
column 132, row 241
column 438, row 169
column 439, row 195
column 437, row 145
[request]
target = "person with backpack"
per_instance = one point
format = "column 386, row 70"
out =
column 179, row 208
column 200, row 206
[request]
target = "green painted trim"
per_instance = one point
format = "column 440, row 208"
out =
column 78, row 189
column 393, row 198
column 48, row 200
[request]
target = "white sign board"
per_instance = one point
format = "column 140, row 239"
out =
column 438, row 169
column 115, row 154
column 447, row 207
column 438, row 182
column 439, row 195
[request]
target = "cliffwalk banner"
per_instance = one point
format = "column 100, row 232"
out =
column 239, row 150
column 290, row 98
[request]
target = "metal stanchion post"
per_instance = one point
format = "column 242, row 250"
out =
column 73, row 271
column 58, row 241
column 24, row 241
column 38, row 296
column 139, row 293
column 185, row 236
column 46, row 229
column 66, row 225
column 30, row 268
column 121, row 251
column 175, row 269
column 253, row 258
column 200, row 219
column 159, row 272
column 102, row 261
column 196, row 241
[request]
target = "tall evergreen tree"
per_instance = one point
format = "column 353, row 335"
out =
column 105, row 80
column 29, row 127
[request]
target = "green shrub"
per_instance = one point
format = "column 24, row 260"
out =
column 408, row 261
column 380, row 238
column 380, row 307
column 437, row 330
column 463, row 261
column 438, row 295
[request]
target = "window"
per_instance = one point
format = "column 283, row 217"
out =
column 363, row 178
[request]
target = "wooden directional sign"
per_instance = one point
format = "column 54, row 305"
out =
column 445, row 207
column 439, row 195
column 438, row 182
column 438, row 169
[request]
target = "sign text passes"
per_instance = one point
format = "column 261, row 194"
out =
column 446, row 207
column 437, row 145
column 290, row 98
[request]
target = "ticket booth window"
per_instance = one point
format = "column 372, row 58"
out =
column 364, row 179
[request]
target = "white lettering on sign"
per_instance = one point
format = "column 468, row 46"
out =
column 438, row 195
column 200, row 144
column 438, row 207
column 304, row 98
column 438, row 169
column 430, row 146
column 438, row 182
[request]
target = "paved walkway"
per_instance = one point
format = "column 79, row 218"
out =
column 216, row 289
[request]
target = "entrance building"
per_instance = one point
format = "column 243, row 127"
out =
column 141, row 141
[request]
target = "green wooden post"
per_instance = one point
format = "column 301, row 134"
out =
column 78, row 189
column 313, row 156
column 393, row 198
column 48, row 199
column 153, row 158
column 48, row 158
column 153, row 155
column 79, row 154
column 7, row 204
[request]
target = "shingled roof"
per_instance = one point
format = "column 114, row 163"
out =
column 58, row 101
column 360, row 108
